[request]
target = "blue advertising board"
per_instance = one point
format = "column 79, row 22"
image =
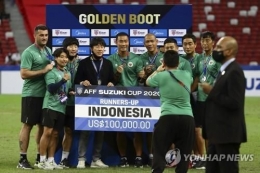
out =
column 87, row 21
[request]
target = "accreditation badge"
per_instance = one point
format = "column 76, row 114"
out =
column 99, row 82
column 203, row 79
column 63, row 97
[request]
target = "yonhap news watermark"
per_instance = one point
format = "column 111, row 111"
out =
column 225, row 157
column 174, row 156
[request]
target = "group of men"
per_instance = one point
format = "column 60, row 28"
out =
column 50, row 79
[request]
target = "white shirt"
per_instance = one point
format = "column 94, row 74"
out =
column 224, row 66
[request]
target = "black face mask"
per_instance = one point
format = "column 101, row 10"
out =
column 72, row 57
column 95, row 56
column 218, row 56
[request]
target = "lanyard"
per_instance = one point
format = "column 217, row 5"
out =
column 191, row 60
column 95, row 67
column 124, row 61
column 180, row 82
column 72, row 68
column 63, row 87
column 152, row 59
column 205, row 66
column 49, row 56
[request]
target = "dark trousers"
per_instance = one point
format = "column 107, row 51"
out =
column 224, row 165
column 177, row 129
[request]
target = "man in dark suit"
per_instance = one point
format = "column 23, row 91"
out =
column 225, row 126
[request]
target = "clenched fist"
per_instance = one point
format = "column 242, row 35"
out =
column 149, row 69
column 120, row 68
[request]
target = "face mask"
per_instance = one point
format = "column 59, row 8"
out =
column 71, row 58
column 218, row 56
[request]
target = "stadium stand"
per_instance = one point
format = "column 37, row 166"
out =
column 7, row 43
column 104, row 1
column 240, row 19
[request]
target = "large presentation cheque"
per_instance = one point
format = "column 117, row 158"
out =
column 102, row 108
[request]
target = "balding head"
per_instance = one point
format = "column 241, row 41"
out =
column 150, row 35
column 228, row 43
column 226, row 48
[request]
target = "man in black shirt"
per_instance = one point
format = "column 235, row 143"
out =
column 94, row 70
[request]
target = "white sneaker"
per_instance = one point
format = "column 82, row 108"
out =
column 41, row 165
column 55, row 166
column 48, row 166
column 81, row 164
column 98, row 164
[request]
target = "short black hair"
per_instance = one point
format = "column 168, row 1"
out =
column 40, row 27
column 170, row 40
column 59, row 51
column 191, row 36
column 122, row 34
column 171, row 58
column 70, row 41
column 96, row 41
column 208, row 34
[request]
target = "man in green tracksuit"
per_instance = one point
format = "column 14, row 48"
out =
column 208, row 70
column 35, row 63
column 171, row 44
column 189, row 45
column 58, row 86
column 176, row 124
column 128, row 67
column 152, row 59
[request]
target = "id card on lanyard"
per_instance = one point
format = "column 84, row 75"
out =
column 62, row 93
column 99, row 82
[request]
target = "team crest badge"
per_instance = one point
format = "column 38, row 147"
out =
column 192, row 66
column 57, row 32
column 96, row 32
column 79, row 90
column 211, row 62
column 134, row 31
column 161, row 60
column 130, row 64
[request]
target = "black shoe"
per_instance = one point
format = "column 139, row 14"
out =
column 24, row 164
column 138, row 162
column 36, row 163
column 64, row 163
column 199, row 164
column 123, row 162
column 150, row 162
